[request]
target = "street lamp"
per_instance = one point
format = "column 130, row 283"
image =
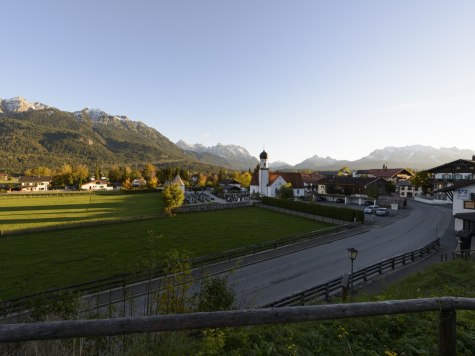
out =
column 352, row 252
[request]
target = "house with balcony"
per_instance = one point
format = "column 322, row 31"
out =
column 97, row 184
column 34, row 184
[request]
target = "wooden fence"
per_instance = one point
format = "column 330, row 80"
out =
column 327, row 290
column 446, row 306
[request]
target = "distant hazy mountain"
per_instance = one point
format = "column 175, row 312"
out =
column 319, row 162
column 416, row 157
column 279, row 166
column 229, row 156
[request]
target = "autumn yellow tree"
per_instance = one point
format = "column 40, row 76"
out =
column 173, row 196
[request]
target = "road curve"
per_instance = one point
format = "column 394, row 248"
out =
column 273, row 279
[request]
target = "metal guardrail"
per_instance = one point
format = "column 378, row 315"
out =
column 463, row 254
column 331, row 288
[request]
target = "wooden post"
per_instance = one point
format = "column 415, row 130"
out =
column 447, row 333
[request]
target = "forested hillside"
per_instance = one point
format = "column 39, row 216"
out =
column 51, row 137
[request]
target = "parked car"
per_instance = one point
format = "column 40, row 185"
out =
column 340, row 200
column 321, row 198
column 382, row 212
column 368, row 202
column 370, row 209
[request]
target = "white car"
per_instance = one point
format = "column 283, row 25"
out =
column 370, row 209
column 382, row 212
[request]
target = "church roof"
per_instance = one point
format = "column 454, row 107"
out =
column 263, row 155
column 177, row 180
column 293, row 178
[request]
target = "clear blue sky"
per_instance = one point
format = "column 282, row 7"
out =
column 302, row 78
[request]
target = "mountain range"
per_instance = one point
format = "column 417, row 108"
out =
column 35, row 134
column 229, row 156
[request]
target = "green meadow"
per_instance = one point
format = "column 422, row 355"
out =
column 29, row 211
column 39, row 261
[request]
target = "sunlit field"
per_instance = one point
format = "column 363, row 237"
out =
column 40, row 261
column 27, row 211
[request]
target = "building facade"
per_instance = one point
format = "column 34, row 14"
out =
column 267, row 183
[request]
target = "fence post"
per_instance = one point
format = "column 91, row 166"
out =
column 447, row 333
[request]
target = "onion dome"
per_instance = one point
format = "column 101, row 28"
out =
column 263, row 155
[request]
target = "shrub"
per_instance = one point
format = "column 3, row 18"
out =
column 345, row 214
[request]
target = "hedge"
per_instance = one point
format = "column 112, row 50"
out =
column 346, row 214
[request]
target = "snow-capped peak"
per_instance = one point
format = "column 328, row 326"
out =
column 19, row 104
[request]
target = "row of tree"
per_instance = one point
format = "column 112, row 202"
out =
column 68, row 175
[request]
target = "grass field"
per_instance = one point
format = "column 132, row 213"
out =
column 41, row 261
column 19, row 211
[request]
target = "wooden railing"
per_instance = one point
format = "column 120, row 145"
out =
column 446, row 306
column 327, row 290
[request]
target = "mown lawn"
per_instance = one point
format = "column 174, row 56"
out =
column 40, row 261
column 20, row 211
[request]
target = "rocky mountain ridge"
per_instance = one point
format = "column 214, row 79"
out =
column 229, row 156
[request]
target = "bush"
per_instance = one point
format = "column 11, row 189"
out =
column 345, row 214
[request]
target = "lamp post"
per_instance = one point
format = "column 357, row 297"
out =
column 352, row 252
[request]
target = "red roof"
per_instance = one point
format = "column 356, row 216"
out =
column 388, row 172
column 293, row 178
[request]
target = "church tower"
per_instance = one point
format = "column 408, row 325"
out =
column 263, row 173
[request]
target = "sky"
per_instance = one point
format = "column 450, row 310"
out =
column 298, row 78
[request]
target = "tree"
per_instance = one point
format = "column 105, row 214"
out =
column 149, row 171
column 173, row 196
column 80, row 174
column 423, row 180
column 344, row 171
column 202, row 180
column 243, row 178
column 152, row 183
column 389, row 187
column 286, row 191
column 114, row 174
column 125, row 173
column 372, row 191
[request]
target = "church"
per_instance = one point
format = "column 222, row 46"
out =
column 267, row 183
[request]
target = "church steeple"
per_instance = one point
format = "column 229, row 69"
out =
column 263, row 174
column 263, row 158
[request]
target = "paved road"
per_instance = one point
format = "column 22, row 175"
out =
column 272, row 275
column 270, row 280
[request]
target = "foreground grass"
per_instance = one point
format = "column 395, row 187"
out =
column 19, row 211
column 405, row 334
column 41, row 261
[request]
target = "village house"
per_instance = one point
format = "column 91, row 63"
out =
column 139, row 183
column 347, row 185
column 97, row 184
column 392, row 174
column 267, row 183
column 310, row 180
column 405, row 189
column 462, row 195
column 34, row 184
column 451, row 173
column 4, row 176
